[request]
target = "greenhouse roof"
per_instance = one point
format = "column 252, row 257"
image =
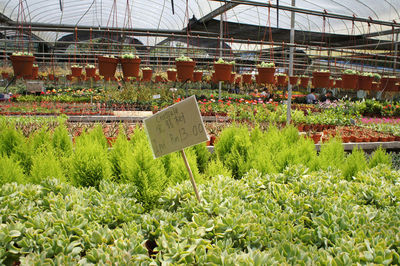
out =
column 242, row 21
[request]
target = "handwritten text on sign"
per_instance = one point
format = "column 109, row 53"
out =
column 175, row 128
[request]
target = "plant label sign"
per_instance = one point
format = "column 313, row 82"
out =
column 34, row 86
column 175, row 128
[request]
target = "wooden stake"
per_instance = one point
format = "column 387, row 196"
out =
column 191, row 175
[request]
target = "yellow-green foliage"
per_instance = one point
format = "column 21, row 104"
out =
column 332, row 155
column 379, row 157
column 61, row 141
column 10, row 171
column 45, row 164
column 354, row 163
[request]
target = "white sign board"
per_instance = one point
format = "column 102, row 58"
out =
column 175, row 128
column 157, row 96
column 34, row 86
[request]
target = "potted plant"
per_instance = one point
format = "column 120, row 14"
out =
column 76, row 70
column 232, row 79
column 349, row 79
column 22, row 63
column 338, row 83
column 107, row 66
column 281, row 79
column 375, row 82
column 266, row 73
column 130, row 65
column 147, row 73
column 171, row 73
column 246, row 78
column 304, row 81
column 388, row 83
column 293, row 80
column 223, row 70
column 197, row 75
column 365, row 81
column 35, row 72
column 90, row 70
column 185, row 68
column 321, row 78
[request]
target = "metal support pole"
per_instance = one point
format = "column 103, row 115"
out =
column 396, row 49
column 221, row 35
column 291, row 57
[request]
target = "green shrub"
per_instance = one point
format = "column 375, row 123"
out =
column 94, row 135
column 89, row 163
column 140, row 168
column 45, row 164
column 379, row 157
column 202, row 156
column 354, row 163
column 121, row 148
column 10, row 171
column 40, row 138
column 332, row 155
column 215, row 168
column 175, row 167
column 10, row 139
column 61, row 141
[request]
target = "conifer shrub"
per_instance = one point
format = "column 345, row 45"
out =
column 61, row 141
column 215, row 168
column 202, row 156
column 40, row 138
column 45, row 165
column 10, row 171
column 354, row 163
column 332, row 155
column 121, row 148
column 379, row 156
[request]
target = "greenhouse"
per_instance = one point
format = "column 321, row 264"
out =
column 199, row 132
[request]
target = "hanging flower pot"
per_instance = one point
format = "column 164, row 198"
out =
column 338, row 83
column 232, row 79
column 388, row 83
column 281, row 79
column 90, row 70
column 238, row 80
column 76, row 70
column 321, row 79
column 130, row 65
column 96, row 77
column 223, row 70
column 375, row 86
column 304, row 82
column 197, row 76
column 349, row 79
column 22, row 63
column 185, row 68
column 246, row 78
column 365, row 81
column 51, row 77
column 293, row 80
column 266, row 73
column 158, row 79
column 107, row 66
column 331, row 83
column 171, row 73
column 147, row 74
column 35, row 71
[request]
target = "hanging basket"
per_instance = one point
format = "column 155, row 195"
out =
column 147, row 74
column 232, row 79
column 238, row 80
column 349, row 81
column 185, row 70
column 266, row 75
column 76, row 71
column 365, row 83
column 51, row 77
column 22, row 64
column 388, row 84
column 246, row 78
column 35, row 73
column 281, row 80
column 375, row 86
column 130, row 67
column 90, row 72
column 293, row 80
column 107, row 66
column 158, row 79
column 197, row 76
column 321, row 79
column 338, row 83
column 223, row 72
column 304, row 82
column 171, row 75
column 257, row 79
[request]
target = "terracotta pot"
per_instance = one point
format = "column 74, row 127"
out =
column 171, row 75
column 338, row 83
column 51, row 76
column 185, row 70
column 232, row 79
column 304, row 82
column 293, row 80
column 345, row 139
column 316, row 138
column 76, row 71
column 246, row 78
column 22, row 65
column 365, row 83
column 158, row 79
column 96, row 78
column 147, row 74
column 130, row 66
column 238, row 80
column 375, row 86
column 266, row 75
column 197, row 76
column 90, row 71
column 107, row 66
column 321, row 79
column 388, row 84
column 223, row 72
column 281, row 80
column 257, row 79
column 349, row 81
column 300, row 127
